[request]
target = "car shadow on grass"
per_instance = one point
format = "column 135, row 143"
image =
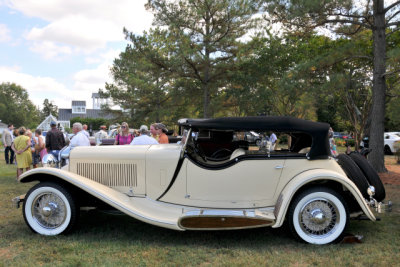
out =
column 95, row 225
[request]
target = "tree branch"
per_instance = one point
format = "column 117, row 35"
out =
column 196, row 72
column 390, row 73
column 393, row 15
column 345, row 21
column 393, row 31
column 397, row 23
column 391, row 6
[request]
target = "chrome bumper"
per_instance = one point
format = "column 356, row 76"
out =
column 17, row 200
column 380, row 207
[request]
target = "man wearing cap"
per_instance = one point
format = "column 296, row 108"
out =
column 161, row 132
column 54, row 140
column 144, row 139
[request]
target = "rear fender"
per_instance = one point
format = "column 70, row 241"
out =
column 308, row 177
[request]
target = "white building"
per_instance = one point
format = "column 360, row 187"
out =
column 78, row 109
column 45, row 124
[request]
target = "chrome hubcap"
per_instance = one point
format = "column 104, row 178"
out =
column 319, row 217
column 49, row 210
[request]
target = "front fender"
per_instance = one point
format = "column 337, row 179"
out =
column 143, row 209
column 307, row 177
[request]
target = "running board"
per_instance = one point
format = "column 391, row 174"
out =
column 225, row 219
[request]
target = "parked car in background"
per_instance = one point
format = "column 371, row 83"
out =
column 212, row 181
column 390, row 139
column 342, row 135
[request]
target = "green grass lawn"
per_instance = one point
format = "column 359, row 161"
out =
column 112, row 240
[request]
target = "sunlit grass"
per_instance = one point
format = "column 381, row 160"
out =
column 110, row 240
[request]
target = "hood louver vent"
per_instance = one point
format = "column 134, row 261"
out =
column 110, row 174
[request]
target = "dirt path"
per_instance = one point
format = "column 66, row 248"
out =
column 392, row 176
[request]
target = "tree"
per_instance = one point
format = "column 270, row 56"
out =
column 145, row 92
column 346, row 80
column 15, row 106
column 202, row 39
column 49, row 109
column 272, row 81
column 348, row 17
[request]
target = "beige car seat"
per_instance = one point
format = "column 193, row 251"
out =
column 237, row 152
column 304, row 150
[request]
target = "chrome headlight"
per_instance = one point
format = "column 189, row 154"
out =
column 371, row 191
column 49, row 161
column 64, row 153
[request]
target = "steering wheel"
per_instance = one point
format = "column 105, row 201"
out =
column 221, row 153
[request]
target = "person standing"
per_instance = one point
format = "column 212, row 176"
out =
column 40, row 145
column 143, row 138
column 54, row 140
column 124, row 137
column 161, row 132
column 153, row 131
column 22, row 149
column 84, row 127
column 33, row 150
column 273, row 140
column 102, row 134
column 80, row 138
column 8, row 138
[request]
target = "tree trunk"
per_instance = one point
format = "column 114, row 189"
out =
column 376, row 157
column 206, row 99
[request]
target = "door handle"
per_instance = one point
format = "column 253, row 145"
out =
column 279, row 167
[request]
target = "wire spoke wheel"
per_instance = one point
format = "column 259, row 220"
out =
column 49, row 209
column 318, row 216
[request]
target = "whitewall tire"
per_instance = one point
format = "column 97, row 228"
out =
column 318, row 215
column 49, row 209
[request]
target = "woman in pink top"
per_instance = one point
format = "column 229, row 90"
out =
column 124, row 137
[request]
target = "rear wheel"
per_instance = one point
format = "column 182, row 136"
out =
column 49, row 209
column 318, row 215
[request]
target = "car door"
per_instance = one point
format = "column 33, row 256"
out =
column 248, row 182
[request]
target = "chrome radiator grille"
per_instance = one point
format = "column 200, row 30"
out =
column 110, row 174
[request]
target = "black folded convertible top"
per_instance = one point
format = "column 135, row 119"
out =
column 317, row 130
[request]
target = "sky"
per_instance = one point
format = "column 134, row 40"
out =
column 62, row 50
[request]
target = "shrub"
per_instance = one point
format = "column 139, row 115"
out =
column 350, row 142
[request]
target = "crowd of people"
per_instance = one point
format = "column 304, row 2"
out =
column 26, row 149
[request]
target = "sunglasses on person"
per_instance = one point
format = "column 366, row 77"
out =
column 123, row 126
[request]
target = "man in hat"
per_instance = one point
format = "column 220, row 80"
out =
column 161, row 132
column 54, row 140
column 144, row 138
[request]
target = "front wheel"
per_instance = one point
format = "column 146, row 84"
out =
column 49, row 209
column 318, row 215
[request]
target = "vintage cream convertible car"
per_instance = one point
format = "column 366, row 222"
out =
column 212, row 180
